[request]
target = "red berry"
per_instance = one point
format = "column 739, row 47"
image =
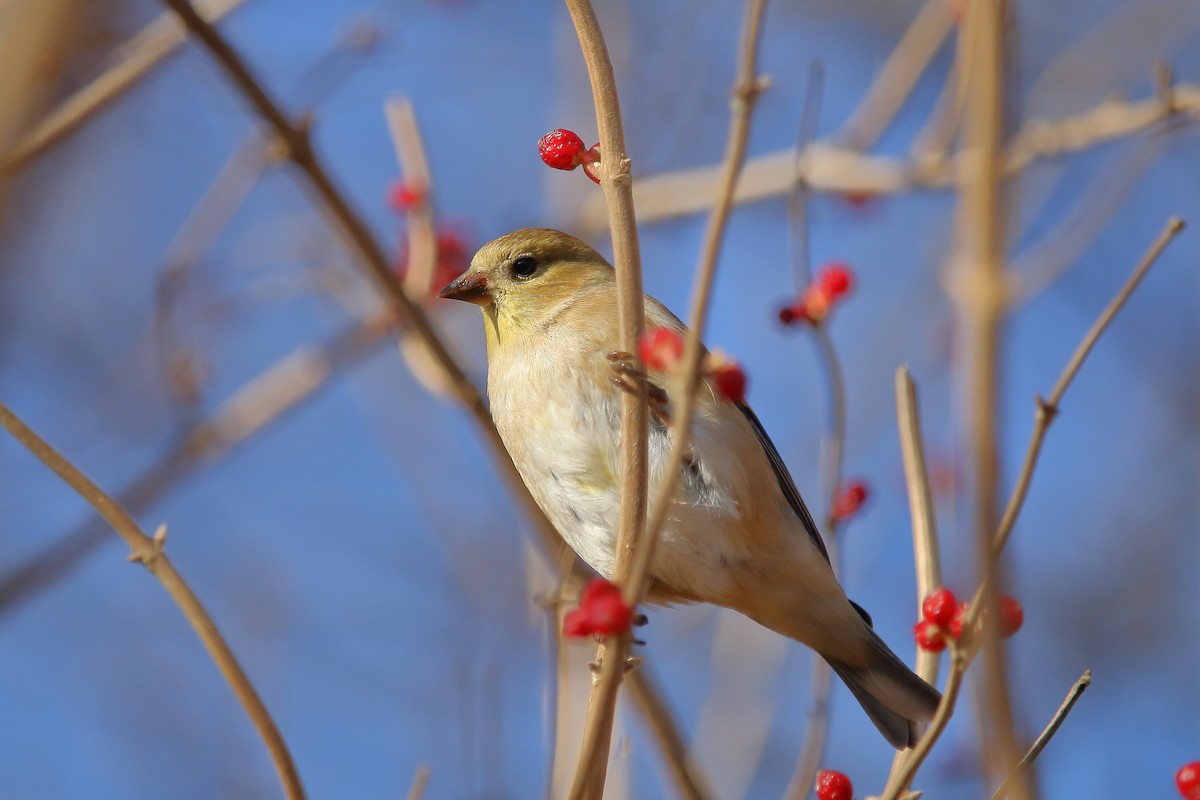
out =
column 661, row 348
column 406, row 194
column 1187, row 780
column 1011, row 615
column 730, row 381
column 836, row 279
column 601, row 612
column 858, row 200
column 833, row 785
column 960, row 616
column 560, row 149
column 929, row 636
column 938, row 607
column 576, row 624
column 849, row 500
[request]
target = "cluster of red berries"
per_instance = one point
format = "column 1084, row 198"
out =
column 662, row 348
column 833, row 282
column 1187, row 780
column 563, row 149
column 850, row 498
column 602, row 612
column 942, row 618
column 833, row 785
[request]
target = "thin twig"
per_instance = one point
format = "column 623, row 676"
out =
column 1047, row 409
column 1048, row 259
column 829, row 168
column 895, row 80
column 295, row 138
column 960, row 656
column 1055, row 723
column 924, row 519
column 690, row 782
column 135, row 60
column 416, row 789
column 264, row 400
column 149, row 552
column 816, row 730
column 616, row 182
column 633, row 568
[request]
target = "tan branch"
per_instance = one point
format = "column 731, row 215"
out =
column 896, row 78
column 416, row 789
column 149, row 552
column 633, row 566
column 134, row 61
column 1047, row 409
column 690, row 783
column 816, row 729
column 825, row 167
column 295, row 139
column 592, row 767
column 1055, row 723
column 264, row 400
column 926, row 554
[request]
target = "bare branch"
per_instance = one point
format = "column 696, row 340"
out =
column 960, row 655
column 592, row 768
column 829, row 168
column 926, row 553
column 896, row 78
column 689, row 781
column 633, row 568
column 420, row 780
column 1055, row 723
column 149, row 552
column 135, row 60
column 371, row 255
column 264, row 400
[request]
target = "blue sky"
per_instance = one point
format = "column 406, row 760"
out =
column 361, row 555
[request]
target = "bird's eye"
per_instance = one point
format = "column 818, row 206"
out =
column 524, row 267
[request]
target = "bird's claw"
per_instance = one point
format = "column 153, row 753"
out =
column 628, row 376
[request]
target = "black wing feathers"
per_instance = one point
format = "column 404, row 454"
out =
column 786, row 484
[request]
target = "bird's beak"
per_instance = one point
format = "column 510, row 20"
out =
column 470, row 286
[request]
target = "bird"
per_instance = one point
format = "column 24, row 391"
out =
column 737, row 535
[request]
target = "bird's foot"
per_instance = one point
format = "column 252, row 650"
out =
column 628, row 377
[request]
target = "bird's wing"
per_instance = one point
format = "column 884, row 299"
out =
column 786, row 484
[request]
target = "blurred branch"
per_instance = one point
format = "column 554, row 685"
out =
column 1048, row 259
column 212, row 214
column 421, row 234
column 924, row 520
column 134, row 61
column 960, row 653
column 690, row 782
column 830, row 168
column 1056, row 722
column 592, row 767
column 816, row 731
column 896, row 78
column 979, row 292
column 264, row 400
column 420, row 780
column 295, row 138
column 150, row 553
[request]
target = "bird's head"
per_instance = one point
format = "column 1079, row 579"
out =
column 521, row 279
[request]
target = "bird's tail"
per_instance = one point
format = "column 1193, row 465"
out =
column 893, row 696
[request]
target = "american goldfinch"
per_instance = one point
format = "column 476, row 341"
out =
column 738, row 534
